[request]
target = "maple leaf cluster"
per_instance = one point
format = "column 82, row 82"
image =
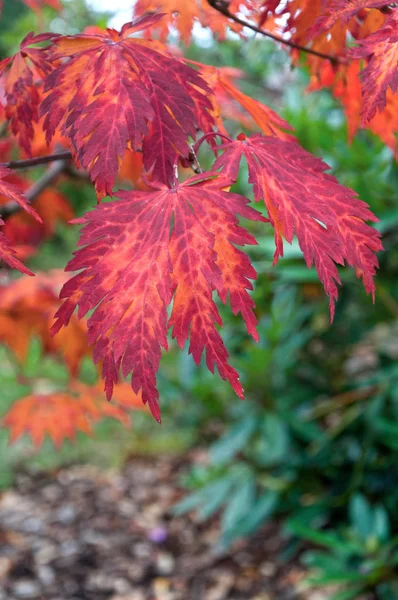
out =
column 27, row 306
column 363, row 77
column 155, row 258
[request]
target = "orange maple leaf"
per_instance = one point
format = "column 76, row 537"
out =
column 378, row 45
column 60, row 414
column 381, row 50
column 342, row 10
column 183, row 16
column 26, row 310
column 345, row 85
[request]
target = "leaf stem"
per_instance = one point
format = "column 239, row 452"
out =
column 206, row 136
column 222, row 7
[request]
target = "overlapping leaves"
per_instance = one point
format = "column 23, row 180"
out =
column 22, row 74
column 118, row 92
column 14, row 194
column 379, row 48
column 183, row 16
column 326, row 27
column 139, row 251
column 27, row 306
column 155, row 259
column 302, row 200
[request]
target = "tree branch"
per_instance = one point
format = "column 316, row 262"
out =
column 39, row 160
column 37, row 187
column 222, row 7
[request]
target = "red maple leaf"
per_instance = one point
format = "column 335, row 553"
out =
column 141, row 249
column 379, row 47
column 21, row 73
column 23, row 230
column 301, row 199
column 381, row 73
column 10, row 191
column 342, row 10
column 118, row 92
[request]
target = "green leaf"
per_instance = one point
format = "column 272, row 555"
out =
column 381, row 523
column 350, row 594
column 273, row 443
column 208, row 499
column 361, row 516
column 337, row 577
column 233, row 441
column 262, row 509
column 323, row 561
column 240, row 504
column 322, row 538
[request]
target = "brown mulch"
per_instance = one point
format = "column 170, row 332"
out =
column 83, row 534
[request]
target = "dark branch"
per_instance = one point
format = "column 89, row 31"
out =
column 37, row 187
column 222, row 7
column 39, row 160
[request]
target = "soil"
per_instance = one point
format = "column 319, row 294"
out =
column 83, row 534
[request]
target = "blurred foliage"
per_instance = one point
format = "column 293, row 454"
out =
column 316, row 441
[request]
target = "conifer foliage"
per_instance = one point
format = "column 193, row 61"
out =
column 155, row 259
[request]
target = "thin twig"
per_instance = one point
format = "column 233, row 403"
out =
column 36, row 188
column 222, row 7
column 39, row 160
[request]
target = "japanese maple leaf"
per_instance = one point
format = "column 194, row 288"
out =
column 14, row 194
column 61, row 414
column 343, row 81
column 117, row 92
column 342, row 10
column 21, row 73
column 331, row 32
column 302, row 200
column 23, row 231
column 345, row 85
column 385, row 123
column 9, row 255
column 377, row 36
column 226, row 93
column 381, row 73
column 183, row 16
column 27, row 306
column 140, row 250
